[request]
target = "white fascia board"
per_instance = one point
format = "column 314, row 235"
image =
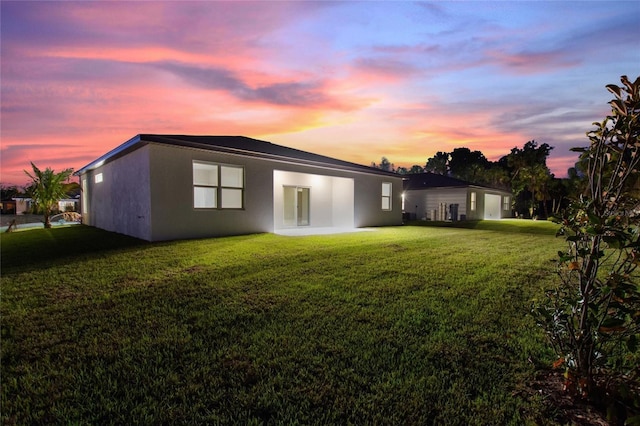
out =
column 101, row 160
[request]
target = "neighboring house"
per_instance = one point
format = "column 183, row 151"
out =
column 164, row 187
column 69, row 205
column 8, row 207
column 24, row 205
column 429, row 196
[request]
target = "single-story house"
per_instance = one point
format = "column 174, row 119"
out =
column 430, row 196
column 24, row 205
column 68, row 205
column 8, row 207
column 165, row 187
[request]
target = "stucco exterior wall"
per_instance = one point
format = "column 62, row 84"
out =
column 23, row 205
column 478, row 212
column 367, row 195
column 492, row 206
column 174, row 216
column 172, row 196
column 121, row 202
column 331, row 198
column 368, row 201
column 148, row 193
column 496, row 208
column 423, row 202
column 343, row 213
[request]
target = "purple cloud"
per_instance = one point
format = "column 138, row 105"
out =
column 296, row 93
column 386, row 67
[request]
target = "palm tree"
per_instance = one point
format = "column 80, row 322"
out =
column 47, row 188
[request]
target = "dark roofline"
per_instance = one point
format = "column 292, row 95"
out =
column 238, row 145
column 117, row 152
column 429, row 180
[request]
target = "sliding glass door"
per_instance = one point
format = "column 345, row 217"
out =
column 296, row 206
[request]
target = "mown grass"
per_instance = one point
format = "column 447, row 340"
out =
column 404, row 325
column 505, row 225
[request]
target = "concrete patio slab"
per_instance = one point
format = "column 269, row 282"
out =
column 304, row 231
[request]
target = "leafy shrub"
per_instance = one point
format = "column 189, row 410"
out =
column 592, row 318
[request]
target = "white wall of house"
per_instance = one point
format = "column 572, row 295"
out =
column 23, row 205
column 476, row 213
column 68, row 205
column 368, row 209
column 343, row 211
column 426, row 203
column 149, row 193
column 172, row 195
column 492, row 207
column 331, row 199
column 494, row 204
column 117, row 196
column 440, row 199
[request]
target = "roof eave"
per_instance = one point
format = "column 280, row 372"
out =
column 139, row 140
column 268, row 156
column 474, row 186
column 121, row 149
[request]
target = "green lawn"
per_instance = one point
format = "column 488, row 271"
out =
column 402, row 325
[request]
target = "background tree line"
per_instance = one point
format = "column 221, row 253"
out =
column 524, row 171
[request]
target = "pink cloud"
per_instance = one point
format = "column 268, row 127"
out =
column 82, row 77
column 525, row 63
column 383, row 70
column 416, row 132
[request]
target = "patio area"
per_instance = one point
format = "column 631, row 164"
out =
column 304, row 231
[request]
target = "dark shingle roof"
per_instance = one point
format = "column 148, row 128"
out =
column 433, row 180
column 235, row 145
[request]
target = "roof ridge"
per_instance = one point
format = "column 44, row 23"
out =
column 241, row 145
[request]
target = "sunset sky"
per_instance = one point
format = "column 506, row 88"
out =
column 350, row 80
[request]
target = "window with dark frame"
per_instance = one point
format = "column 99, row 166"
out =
column 386, row 195
column 217, row 186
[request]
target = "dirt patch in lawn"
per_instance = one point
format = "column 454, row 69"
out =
column 563, row 408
